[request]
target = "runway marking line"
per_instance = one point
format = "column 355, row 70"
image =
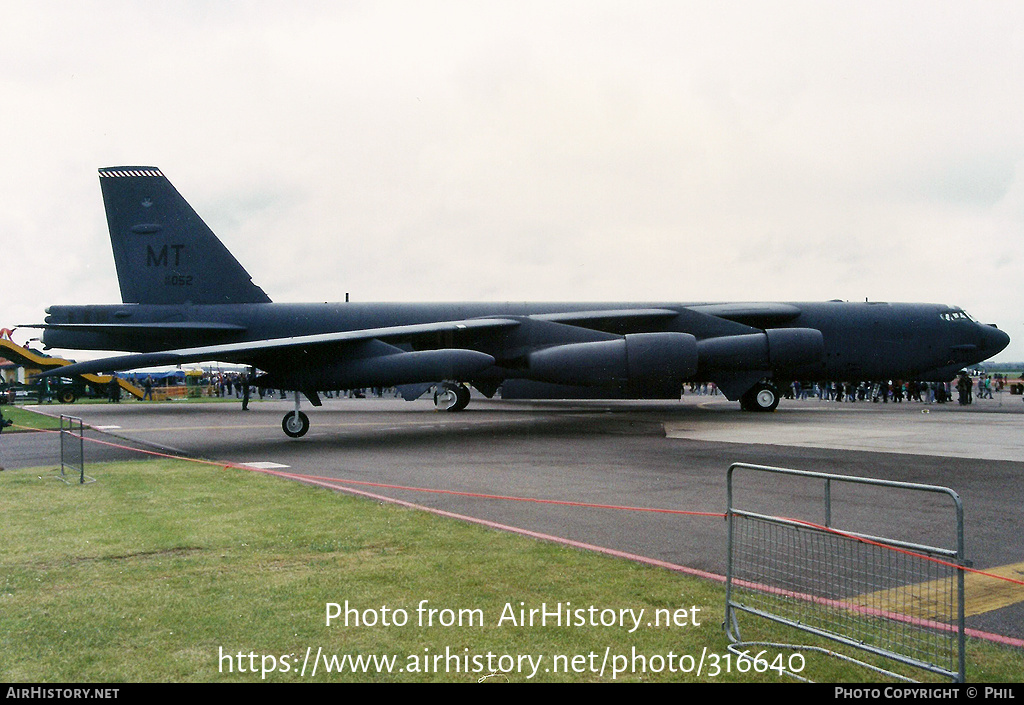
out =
column 983, row 592
column 383, row 425
column 479, row 495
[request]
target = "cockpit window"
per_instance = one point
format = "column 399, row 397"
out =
column 956, row 315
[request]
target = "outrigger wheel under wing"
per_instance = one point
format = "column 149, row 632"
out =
column 295, row 423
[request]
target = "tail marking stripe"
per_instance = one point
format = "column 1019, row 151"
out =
column 122, row 174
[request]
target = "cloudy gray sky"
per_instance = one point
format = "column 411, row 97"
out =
column 431, row 151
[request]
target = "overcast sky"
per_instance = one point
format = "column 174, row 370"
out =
column 604, row 151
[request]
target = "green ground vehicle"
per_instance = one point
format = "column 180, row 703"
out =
column 65, row 390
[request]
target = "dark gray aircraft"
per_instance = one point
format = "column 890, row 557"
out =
column 187, row 299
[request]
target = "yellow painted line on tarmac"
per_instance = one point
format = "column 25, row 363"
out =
column 935, row 599
column 712, row 402
column 985, row 594
column 126, row 429
column 277, row 426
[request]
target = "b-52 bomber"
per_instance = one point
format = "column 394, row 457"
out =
column 186, row 299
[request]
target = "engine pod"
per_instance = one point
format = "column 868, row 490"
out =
column 645, row 364
column 776, row 350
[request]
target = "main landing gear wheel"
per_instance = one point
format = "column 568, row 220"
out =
column 68, row 397
column 295, row 424
column 761, row 397
column 451, row 397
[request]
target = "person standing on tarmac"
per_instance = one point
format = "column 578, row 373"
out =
column 963, row 388
column 246, row 381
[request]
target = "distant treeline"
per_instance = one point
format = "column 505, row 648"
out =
column 1011, row 369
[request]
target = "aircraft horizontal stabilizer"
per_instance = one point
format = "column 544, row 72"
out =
column 143, row 328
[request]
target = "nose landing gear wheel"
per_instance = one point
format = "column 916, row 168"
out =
column 295, row 424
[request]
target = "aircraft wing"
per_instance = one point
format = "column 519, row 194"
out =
column 244, row 352
column 708, row 319
column 759, row 315
column 600, row 319
column 610, row 322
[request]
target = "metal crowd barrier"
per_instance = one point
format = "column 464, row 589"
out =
column 72, row 450
column 898, row 600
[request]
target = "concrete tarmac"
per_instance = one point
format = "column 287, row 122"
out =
column 667, row 455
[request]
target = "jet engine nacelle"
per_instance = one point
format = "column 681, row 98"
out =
column 646, row 364
column 775, row 349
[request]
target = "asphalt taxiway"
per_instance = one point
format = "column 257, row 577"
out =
column 654, row 455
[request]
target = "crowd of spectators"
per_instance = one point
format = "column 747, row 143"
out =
column 966, row 388
column 232, row 384
column 897, row 391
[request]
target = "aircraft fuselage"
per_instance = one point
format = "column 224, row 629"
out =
column 861, row 340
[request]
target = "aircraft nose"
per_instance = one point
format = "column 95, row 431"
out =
column 992, row 339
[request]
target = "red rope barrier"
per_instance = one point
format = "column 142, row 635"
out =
column 508, row 498
column 904, row 551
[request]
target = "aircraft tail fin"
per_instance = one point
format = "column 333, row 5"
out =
column 163, row 251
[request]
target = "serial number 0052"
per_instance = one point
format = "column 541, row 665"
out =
column 178, row 280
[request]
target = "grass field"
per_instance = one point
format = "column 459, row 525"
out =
column 26, row 420
column 174, row 571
